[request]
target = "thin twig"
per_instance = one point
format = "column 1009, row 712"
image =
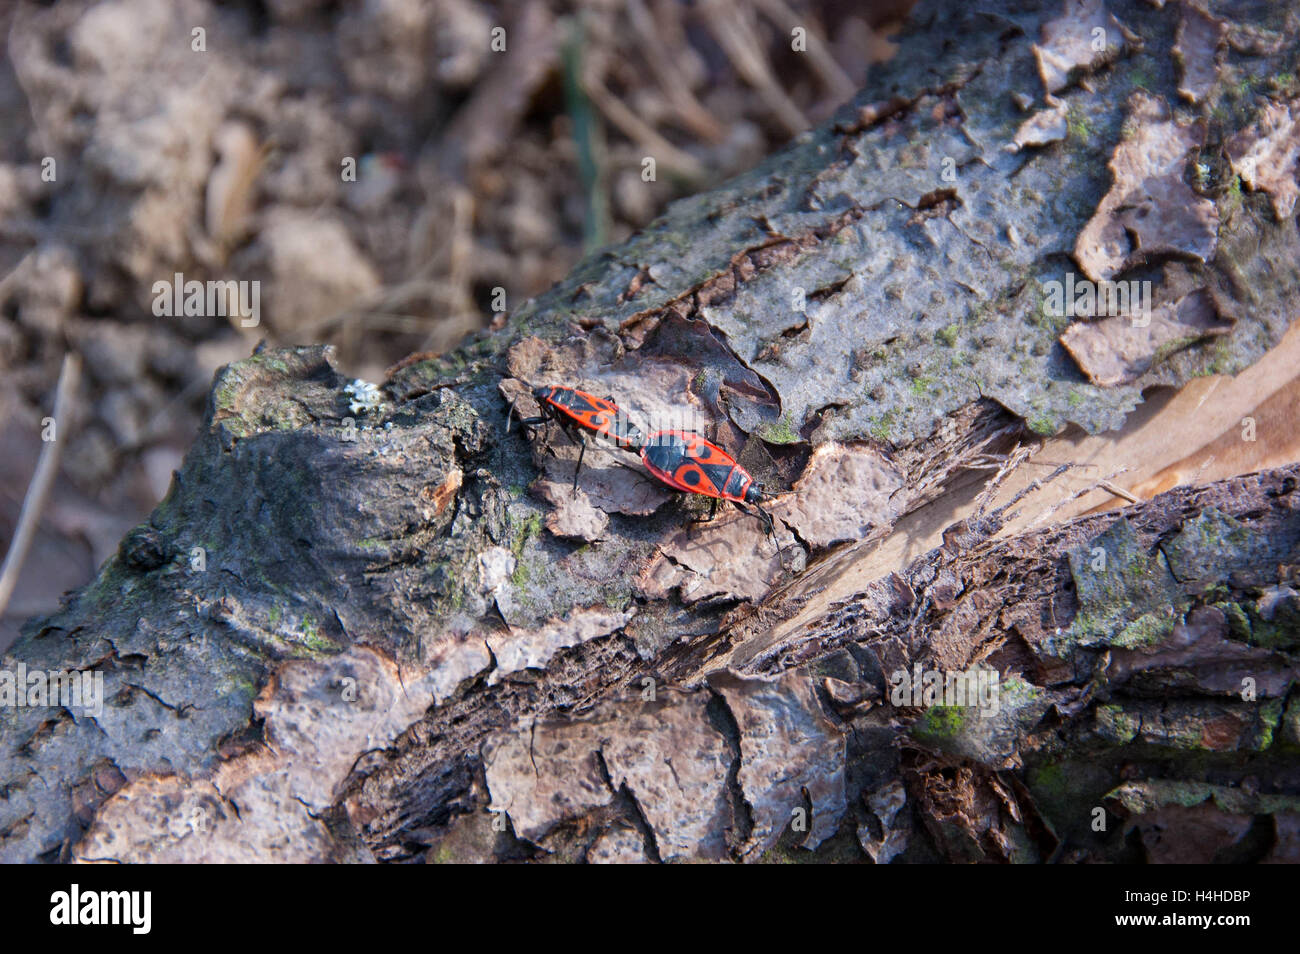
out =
column 1117, row 491
column 820, row 59
column 641, row 132
column 738, row 37
column 38, row 491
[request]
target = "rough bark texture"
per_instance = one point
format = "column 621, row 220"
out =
column 406, row 638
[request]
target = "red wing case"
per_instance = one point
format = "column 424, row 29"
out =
column 594, row 414
column 686, row 461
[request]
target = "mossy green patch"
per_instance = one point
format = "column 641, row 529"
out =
column 1127, row 596
column 1116, row 725
column 779, row 432
column 530, row 528
column 1079, row 126
column 309, row 636
column 1149, row 629
column 1042, row 423
column 881, row 426
column 940, row 725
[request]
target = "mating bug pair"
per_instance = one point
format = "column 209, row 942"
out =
column 683, row 460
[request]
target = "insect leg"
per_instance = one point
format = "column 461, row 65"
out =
column 527, row 423
column 769, row 527
column 713, row 512
column 582, row 441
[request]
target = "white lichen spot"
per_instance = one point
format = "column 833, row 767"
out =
column 365, row 397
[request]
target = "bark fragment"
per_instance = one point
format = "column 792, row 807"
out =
column 1150, row 210
column 522, row 649
column 1082, row 39
column 844, row 493
column 1266, row 156
column 1121, row 348
column 1043, row 127
column 788, row 748
column 1201, row 39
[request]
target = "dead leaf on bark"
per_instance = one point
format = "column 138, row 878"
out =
column 1116, row 350
column 665, row 753
column 520, row 396
column 1150, row 210
column 608, row 481
column 1265, row 156
column 1200, row 41
column 885, row 804
column 544, row 772
column 573, row 516
column 675, row 764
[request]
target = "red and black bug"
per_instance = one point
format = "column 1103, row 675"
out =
column 686, row 461
column 578, row 412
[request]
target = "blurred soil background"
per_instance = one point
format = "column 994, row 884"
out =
column 475, row 170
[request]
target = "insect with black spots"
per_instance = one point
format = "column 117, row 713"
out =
column 577, row 413
column 688, row 462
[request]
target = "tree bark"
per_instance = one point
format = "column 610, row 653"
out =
column 387, row 629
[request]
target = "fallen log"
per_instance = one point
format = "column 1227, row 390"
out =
column 372, row 624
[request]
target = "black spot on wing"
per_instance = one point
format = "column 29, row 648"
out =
column 736, row 483
column 717, row 474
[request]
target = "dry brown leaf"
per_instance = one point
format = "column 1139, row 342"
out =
column 573, row 516
column 664, row 752
column 788, row 746
column 730, row 557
